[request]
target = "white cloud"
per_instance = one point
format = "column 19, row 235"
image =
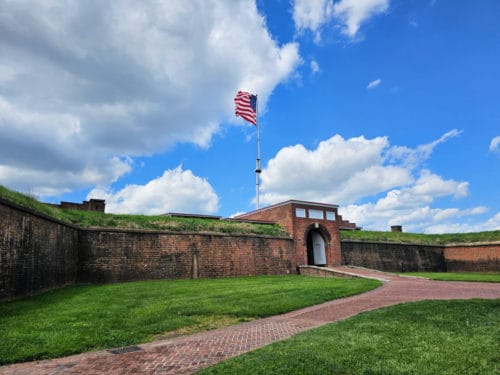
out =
column 374, row 84
column 432, row 185
column 346, row 171
column 339, row 171
column 413, row 157
column 177, row 190
column 495, row 144
column 354, row 12
column 423, row 191
column 420, row 218
column 493, row 223
column 312, row 15
column 51, row 182
column 75, row 98
column 411, row 207
column 314, row 67
column 350, row 14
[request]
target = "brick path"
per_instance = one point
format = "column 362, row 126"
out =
column 187, row 354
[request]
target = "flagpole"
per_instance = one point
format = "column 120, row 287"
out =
column 257, row 169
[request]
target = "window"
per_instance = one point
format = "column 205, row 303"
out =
column 330, row 215
column 316, row 214
column 300, row 212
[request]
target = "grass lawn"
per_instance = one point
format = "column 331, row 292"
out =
column 90, row 317
column 458, row 276
column 429, row 337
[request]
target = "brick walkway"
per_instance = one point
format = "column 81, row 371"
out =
column 187, row 354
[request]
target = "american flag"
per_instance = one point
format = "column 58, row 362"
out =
column 246, row 106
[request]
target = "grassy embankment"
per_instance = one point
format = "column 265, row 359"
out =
column 429, row 337
column 90, row 317
column 88, row 219
column 419, row 238
column 96, row 219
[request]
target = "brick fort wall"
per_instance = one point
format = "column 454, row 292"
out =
column 393, row 257
column 480, row 257
column 39, row 253
column 36, row 252
column 398, row 257
column 124, row 255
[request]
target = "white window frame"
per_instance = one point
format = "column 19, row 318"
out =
column 300, row 212
column 330, row 215
column 316, row 214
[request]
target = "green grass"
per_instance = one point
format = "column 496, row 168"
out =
column 430, row 337
column 88, row 219
column 419, row 238
column 458, row 276
column 84, row 318
column 27, row 201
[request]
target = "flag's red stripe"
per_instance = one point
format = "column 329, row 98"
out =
column 244, row 108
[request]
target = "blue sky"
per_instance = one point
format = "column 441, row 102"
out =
column 388, row 108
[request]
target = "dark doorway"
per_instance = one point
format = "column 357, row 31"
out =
column 316, row 254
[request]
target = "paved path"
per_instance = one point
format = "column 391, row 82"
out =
column 187, row 354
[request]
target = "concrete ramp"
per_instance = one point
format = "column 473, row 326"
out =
column 343, row 271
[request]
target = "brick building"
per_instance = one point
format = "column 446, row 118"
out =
column 90, row 205
column 314, row 227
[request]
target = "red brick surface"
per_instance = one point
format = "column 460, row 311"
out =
column 407, row 257
column 473, row 252
column 36, row 253
column 473, row 257
column 39, row 253
column 120, row 255
column 186, row 355
column 298, row 227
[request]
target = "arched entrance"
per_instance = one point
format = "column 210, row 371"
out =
column 316, row 254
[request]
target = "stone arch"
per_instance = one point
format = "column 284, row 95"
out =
column 317, row 239
column 319, row 228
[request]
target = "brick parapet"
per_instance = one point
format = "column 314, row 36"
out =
column 112, row 256
column 404, row 257
column 473, row 257
column 38, row 214
column 36, row 252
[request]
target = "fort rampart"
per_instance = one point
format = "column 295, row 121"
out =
column 123, row 255
column 402, row 257
column 479, row 257
column 36, row 252
column 39, row 253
